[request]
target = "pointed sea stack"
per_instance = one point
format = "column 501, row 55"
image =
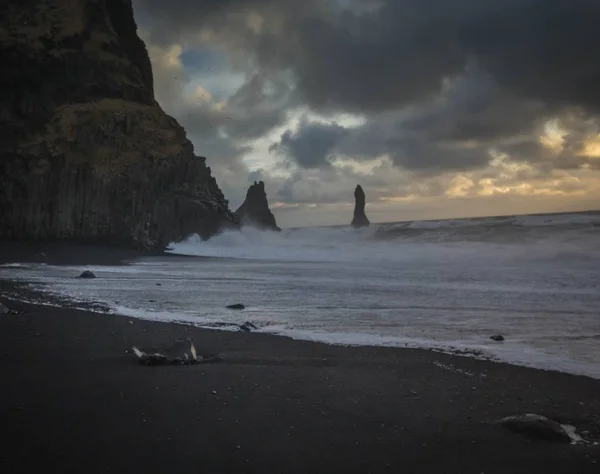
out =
column 255, row 210
column 86, row 152
column 360, row 218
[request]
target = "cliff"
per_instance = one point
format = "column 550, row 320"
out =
column 86, row 153
column 360, row 218
column 255, row 209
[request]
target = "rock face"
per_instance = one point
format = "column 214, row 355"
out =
column 360, row 218
column 86, row 153
column 255, row 209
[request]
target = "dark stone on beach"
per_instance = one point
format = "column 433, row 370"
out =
column 235, row 306
column 255, row 210
column 158, row 284
column 86, row 152
column 248, row 326
column 497, row 337
column 4, row 309
column 360, row 218
column 537, row 427
column 153, row 359
column 87, row 274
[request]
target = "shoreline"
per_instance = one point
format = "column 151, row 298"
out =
column 78, row 400
column 275, row 404
column 20, row 292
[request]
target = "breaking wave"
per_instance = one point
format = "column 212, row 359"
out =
column 574, row 235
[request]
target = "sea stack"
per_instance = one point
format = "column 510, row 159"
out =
column 86, row 152
column 255, row 210
column 360, row 218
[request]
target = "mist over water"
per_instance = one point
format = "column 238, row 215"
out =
column 543, row 236
column 433, row 284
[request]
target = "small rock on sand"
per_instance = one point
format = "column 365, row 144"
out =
column 87, row 274
column 497, row 337
column 235, row 306
column 538, row 427
column 248, row 326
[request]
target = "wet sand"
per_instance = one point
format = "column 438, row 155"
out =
column 68, row 253
column 73, row 400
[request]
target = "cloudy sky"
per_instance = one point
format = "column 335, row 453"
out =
column 438, row 108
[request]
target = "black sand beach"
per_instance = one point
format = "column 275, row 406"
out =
column 74, row 401
column 471, row 110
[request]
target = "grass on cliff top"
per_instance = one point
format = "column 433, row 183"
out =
column 113, row 133
column 56, row 19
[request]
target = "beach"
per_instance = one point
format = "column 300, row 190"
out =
column 444, row 285
column 74, row 400
column 283, row 399
column 248, row 237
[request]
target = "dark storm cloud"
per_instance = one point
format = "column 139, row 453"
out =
column 310, row 146
column 181, row 19
column 401, row 52
column 256, row 107
column 475, row 107
column 453, row 132
column 527, row 150
column 439, row 83
column 544, row 49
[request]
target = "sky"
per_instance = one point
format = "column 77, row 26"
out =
column 437, row 108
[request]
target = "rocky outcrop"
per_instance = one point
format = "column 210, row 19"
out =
column 86, row 153
column 255, row 210
column 360, row 218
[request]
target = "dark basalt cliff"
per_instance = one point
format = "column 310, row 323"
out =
column 360, row 218
column 255, row 210
column 86, row 153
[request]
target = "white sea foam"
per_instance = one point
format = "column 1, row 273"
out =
column 425, row 241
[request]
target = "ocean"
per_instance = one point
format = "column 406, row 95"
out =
column 445, row 285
